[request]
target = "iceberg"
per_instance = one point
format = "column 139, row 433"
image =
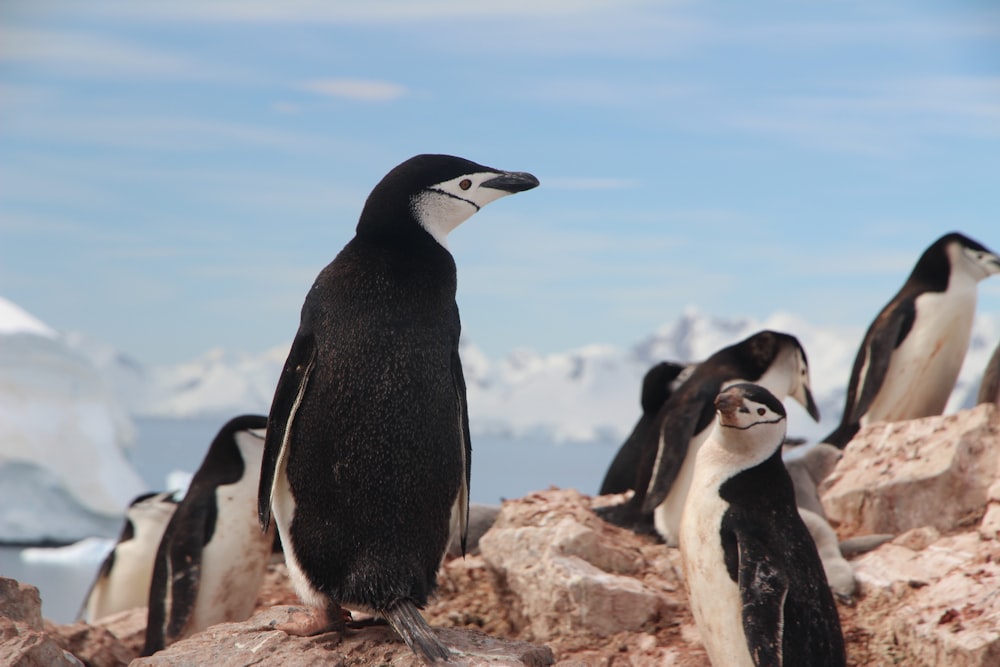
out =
column 64, row 474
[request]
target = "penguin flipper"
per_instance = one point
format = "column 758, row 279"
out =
column 173, row 590
column 675, row 433
column 460, row 515
column 287, row 399
column 872, row 364
column 763, row 588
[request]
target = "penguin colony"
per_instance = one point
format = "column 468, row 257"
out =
column 363, row 464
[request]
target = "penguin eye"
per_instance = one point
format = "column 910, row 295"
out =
column 761, row 411
column 465, row 184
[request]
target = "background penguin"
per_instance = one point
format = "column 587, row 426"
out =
column 775, row 360
column 758, row 591
column 368, row 453
column 213, row 555
column 658, row 384
column 123, row 580
column 807, row 470
column 989, row 388
column 912, row 353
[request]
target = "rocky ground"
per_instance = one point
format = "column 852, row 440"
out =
column 554, row 584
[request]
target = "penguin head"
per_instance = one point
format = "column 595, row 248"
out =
column 750, row 418
column 971, row 257
column 782, row 366
column 438, row 193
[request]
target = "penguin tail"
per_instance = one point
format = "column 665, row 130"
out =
column 405, row 619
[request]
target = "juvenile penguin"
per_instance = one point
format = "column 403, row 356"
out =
column 658, row 384
column 759, row 594
column 213, row 555
column 123, row 580
column 911, row 355
column 367, row 461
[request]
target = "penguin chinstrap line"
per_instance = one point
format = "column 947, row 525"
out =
column 912, row 353
column 367, row 461
column 213, row 555
column 759, row 593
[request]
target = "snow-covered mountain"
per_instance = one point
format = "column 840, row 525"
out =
column 584, row 394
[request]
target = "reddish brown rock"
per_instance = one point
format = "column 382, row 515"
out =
column 23, row 641
column 934, row 471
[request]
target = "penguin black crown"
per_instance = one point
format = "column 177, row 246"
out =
column 367, row 457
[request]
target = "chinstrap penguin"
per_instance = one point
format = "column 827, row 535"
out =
column 774, row 360
column 213, row 555
column 911, row 355
column 759, row 594
column 367, row 461
column 122, row 582
column 658, row 384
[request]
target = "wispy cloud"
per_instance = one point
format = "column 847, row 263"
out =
column 364, row 90
column 95, row 55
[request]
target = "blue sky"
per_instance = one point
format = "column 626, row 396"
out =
column 173, row 175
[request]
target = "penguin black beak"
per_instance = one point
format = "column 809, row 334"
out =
column 811, row 407
column 512, row 181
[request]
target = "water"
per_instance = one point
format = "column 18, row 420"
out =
column 501, row 468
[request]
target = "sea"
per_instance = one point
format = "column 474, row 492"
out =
column 502, row 467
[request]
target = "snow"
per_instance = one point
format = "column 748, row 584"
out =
column 88, row 551
column 63, row 470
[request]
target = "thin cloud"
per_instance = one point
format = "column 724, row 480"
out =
column 362, row 90
column 591, row 183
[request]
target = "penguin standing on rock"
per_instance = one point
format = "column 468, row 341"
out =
column 123, row 580
column 912, row 353
column 759, row 594
column 212, row 558
column 367, row 461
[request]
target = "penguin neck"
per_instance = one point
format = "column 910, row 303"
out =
column 763, row 481
column 732, row 452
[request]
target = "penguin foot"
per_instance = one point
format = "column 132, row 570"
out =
column 315, row 621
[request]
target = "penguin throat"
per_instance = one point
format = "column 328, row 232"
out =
column 454, row 196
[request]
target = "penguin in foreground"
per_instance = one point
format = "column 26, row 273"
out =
column 367, row 462
column 658, row 384
column 759, row 594
column 912, row 353
column 212, row 558
column 122, row 582
column 772, row 359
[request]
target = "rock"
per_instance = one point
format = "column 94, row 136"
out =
column 94, row 645
column 23, row 641
column 934, row 471
column 932, row 600
column 481, row 518
column 257, row 642
column 569, row 572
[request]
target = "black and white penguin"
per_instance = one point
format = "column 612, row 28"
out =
column 658, row 384
column 912, row 353
column 774, row 360
column 368, row 455
column 122, row 582
column 759, row 594
column 213, row 555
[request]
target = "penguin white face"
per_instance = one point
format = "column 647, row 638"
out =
column 977, row 261
column 441, row 207
column 751, row 420
column 801, row 390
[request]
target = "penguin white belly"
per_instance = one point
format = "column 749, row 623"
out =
column 283, row 511
column 667, row 515
column 715, row 598
column 923, row 369
column 234, row 560
column 127, row 585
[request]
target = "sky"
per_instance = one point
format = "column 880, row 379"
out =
column 173, row 175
